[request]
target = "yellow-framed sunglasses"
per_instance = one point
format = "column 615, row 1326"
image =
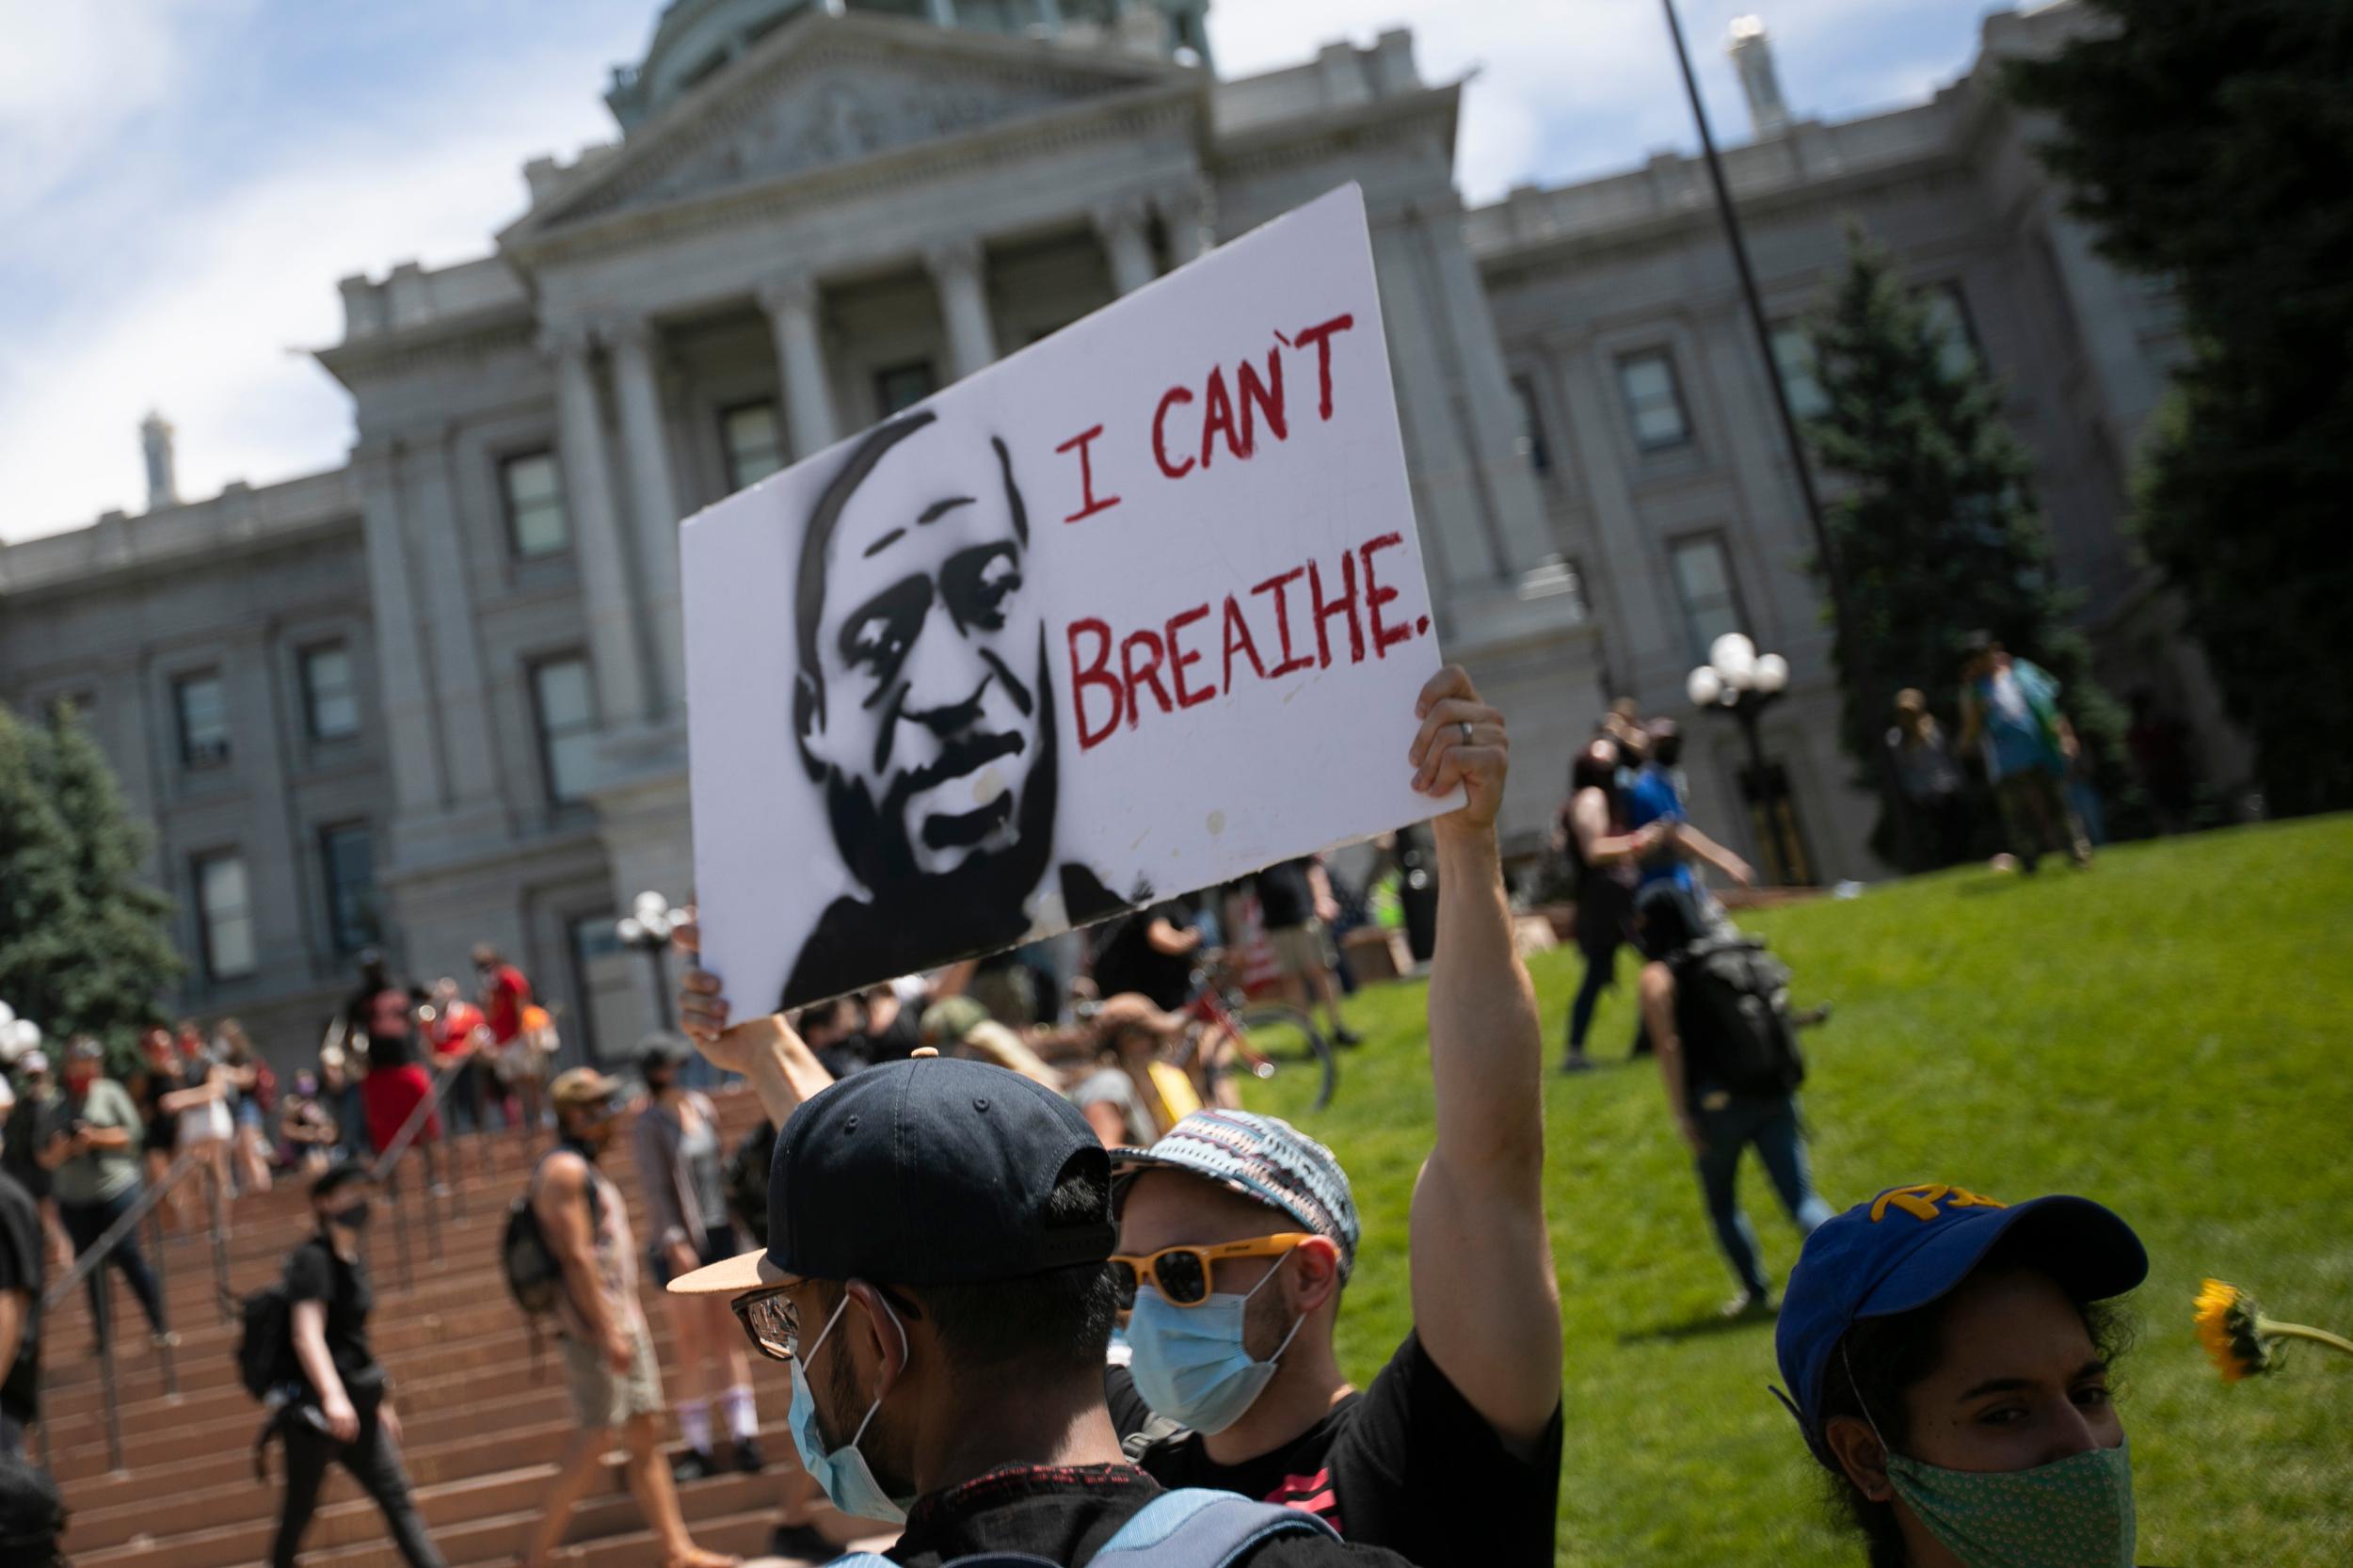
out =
column 1185, row 1275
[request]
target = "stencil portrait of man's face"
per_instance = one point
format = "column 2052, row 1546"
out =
column 921, row 705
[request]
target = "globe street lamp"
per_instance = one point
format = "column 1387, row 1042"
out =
column 1739, row 681
column 646, row 928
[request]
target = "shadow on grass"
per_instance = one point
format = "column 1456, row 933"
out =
column 1995, row 882
column 1705, row 1327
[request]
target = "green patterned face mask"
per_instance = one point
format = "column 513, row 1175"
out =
column 2076, row 1513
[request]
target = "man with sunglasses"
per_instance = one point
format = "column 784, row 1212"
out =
column 608, row 1354
column 935, row 1267
column 1453, row 1454
column 1238, row 1234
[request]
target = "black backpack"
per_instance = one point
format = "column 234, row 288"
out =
column 534, row 1277
column 266, row 1359
column 746, row 1179
column 1732, row 1008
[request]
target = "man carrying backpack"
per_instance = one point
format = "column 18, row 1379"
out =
column 609, row 1360
column 1716, row 1006
column 937, row 1270
column 338, row 1405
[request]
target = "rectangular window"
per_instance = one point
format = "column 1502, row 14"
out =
column 1957, row 336
column 533, row 491
column 202, row 704
column 225, row 908
column 900, row 387
column 567, row 709
column 347, row 854
column 330, row 697
column 1793, row 362
column 754, row 442
column 1711, row 604
column 592, row 937
column 1653, row 400
column 1531, row 436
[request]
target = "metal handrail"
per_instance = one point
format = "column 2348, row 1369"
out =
column 386, row 1171
column 91, row 1260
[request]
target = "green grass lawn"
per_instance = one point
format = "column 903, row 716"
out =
column 2172, row 1034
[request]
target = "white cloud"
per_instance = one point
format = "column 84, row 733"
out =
column 147, row 287
column 239, row 280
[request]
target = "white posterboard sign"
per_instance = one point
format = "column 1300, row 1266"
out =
column 1135, row 611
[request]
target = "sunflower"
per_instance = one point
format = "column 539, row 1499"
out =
column 2240, row 1339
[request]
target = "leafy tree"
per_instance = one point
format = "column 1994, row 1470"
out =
column 123, row 955
column 1935, row 524
column 2211, row 145
column 39, row 910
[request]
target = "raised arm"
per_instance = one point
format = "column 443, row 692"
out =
column 779, row 1065
column 1715, row 853
column 1485, row 1299
column 1589, row 819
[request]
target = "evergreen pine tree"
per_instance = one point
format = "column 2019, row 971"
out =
column 2211, row 146
column 39, row 911
column 1935, row 524
column 123, row 955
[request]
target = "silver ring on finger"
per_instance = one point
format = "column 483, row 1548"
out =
column 1465, row 726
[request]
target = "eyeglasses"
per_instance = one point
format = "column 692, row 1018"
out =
column 1186, row 1275
column 770, row 1322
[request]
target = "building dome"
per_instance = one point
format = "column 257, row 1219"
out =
column 694, row 39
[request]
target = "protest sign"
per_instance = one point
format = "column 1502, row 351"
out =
column 1137, row 610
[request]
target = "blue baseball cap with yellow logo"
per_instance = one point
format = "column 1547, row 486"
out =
column 1911, row 1246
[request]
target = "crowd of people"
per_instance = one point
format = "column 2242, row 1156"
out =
column 1037, row 1289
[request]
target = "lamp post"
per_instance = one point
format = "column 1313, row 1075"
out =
column 1741, row 682
column 646, row 928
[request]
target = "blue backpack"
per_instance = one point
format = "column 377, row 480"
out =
column 1193, row 1528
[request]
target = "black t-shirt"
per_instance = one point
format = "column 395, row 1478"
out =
column 1065, row 1514
column 1285, row 897
column 1407, row 1464
column 1128, row 961
column 315, row 1273
column 162, row 1128
column 21, row 1268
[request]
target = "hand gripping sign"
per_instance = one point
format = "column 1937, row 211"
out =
column 1135, row 611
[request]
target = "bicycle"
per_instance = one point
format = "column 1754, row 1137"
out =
column 1266, row 1038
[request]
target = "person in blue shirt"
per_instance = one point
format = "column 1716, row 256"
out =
column 1654, row 796
column 2010, row 708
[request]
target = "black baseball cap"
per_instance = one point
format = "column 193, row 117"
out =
column 923, row 1171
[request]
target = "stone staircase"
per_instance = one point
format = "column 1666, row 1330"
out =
column 484, row 1427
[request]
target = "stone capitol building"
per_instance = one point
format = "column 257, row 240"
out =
column 434, row 695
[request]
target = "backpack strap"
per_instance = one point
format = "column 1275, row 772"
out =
column 1156, row 1427
column 1197, row 1527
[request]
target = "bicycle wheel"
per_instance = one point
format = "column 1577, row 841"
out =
column 1289, row 1048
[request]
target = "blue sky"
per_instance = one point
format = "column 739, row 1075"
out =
column 182, row 182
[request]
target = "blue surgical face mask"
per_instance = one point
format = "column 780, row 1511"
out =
column 1190, row 1363
column 842, row 1472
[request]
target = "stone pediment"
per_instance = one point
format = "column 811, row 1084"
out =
column 827, row 92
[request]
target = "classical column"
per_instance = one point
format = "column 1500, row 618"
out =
column 461, row 699
column 1187, row 212
column 1127, row 244
column 631, row 344
column 404, row 687
column 791, row 306
column 955, row 268
column 613, row 647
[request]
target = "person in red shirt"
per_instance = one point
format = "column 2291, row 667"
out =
column 504, row 994
column 458, row 1032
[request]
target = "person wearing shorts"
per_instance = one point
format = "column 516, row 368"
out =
column 680, row 1164
column 1291, row 897
column 609, row 1364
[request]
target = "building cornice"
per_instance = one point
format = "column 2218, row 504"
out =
column 1322, row 134
column 1116, row 96
column 456, row 342
column 238, row 522
column 922, row 164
